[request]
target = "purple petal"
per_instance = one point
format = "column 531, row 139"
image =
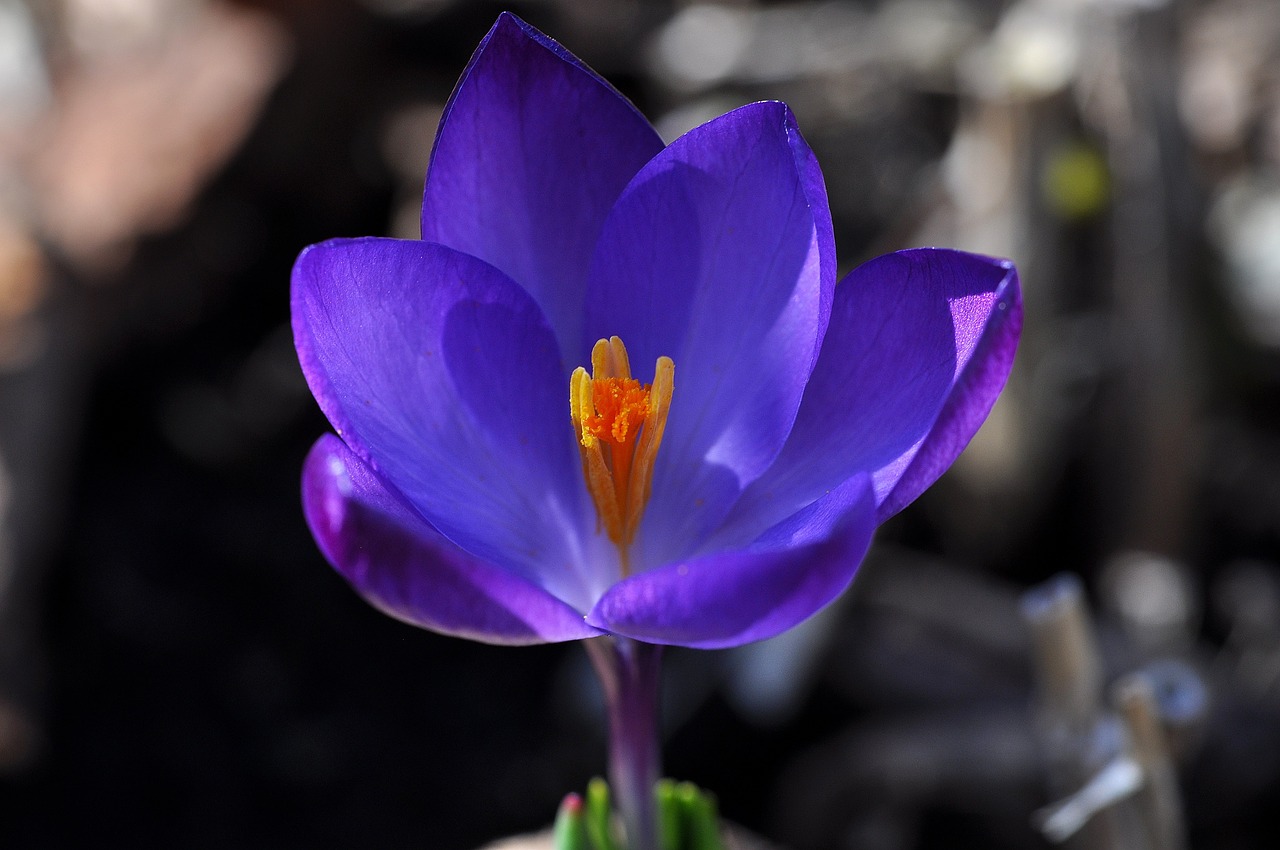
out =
column 919, row 345
column 441, row 373
column 405, row 568
column 734, row 598
column 989, row 340
column 719, row 255
column 532, row 151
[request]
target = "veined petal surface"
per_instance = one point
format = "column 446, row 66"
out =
column 442, row 374
column 732, row 598
column 406, row 569
column 532, row 151
column 919, row 345
column 718, row 255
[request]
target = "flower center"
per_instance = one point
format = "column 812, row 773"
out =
column 619, row 423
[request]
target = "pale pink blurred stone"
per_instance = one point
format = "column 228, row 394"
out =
column 132, row 137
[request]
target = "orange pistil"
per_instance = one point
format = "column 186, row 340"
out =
column 619, row 423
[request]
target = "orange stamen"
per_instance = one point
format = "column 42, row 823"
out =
column 619, row 424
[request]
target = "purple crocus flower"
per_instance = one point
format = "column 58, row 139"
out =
column 615, row 391
column 714, row 474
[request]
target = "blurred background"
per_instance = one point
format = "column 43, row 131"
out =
column 180, row 668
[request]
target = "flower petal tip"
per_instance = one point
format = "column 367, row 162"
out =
column 524, row 118
column 987, row 315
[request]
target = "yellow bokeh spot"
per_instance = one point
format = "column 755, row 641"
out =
column 1075, row 182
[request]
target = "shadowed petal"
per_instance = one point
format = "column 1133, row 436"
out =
column 405, row 568
column 733, row 598
column 532, row 151
column 919, row 345
column 440, row 372
column 718, row 255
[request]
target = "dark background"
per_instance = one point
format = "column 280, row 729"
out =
column 180, row 668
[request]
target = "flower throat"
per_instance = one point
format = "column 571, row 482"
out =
column 619, row 423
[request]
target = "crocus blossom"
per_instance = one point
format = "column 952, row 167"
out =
column 616, row 388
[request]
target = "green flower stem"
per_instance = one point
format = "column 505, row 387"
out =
column 629, row 673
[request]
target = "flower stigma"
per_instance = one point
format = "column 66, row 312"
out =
column 619, row 424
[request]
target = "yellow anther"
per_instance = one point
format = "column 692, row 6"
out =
column 619, row 424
